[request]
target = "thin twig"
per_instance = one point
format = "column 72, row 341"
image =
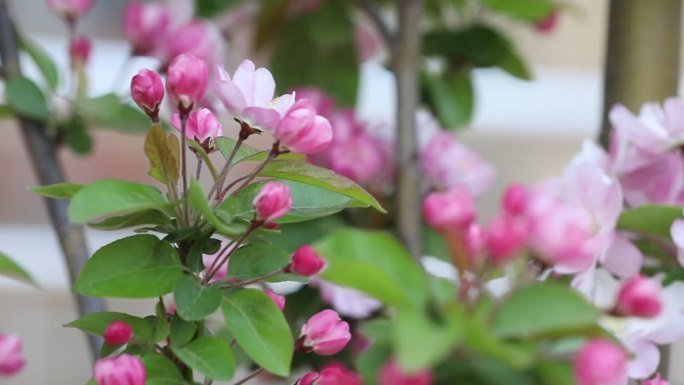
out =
column 249, row 376
column 184, row 164
column 251, row 281
column 226, row 168
column 47, row 167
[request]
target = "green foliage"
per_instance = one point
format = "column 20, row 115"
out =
column 76, row 135
column 9, row 268
column 181, row 331
column 96, row 323
column 260, row 328
column 110, row 197
column 226, row 146
column 212, row 8
column 527, row 10
column 57, row 190
column 136, row 219
column 195, row 301
column 258, row 259
column 650, row 219
column 451, row 96
column 198, row 201
column 26, row 99
column 108, row 111
column 210, row 356
column 45, row 65
column 527, row 312
column 140, row 266
column 163, row 152
column 302, row 172
column 375, row 263
column 161, row 371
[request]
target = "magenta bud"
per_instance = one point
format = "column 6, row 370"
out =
column 515, row 199
column 306, row 262
column 392, row 374
column 118, row 333
column 272, row 202
column 449, row 209
column 657, row 380
column 125, row 369
column 505, row 237
column 639, row 297
column 324, row 334
column 302, row 130
column 600, row 362
column 186, row 80
column 11, row 356
column 147, row 90
column 79, row 51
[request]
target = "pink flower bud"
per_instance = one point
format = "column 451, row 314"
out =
column 272, row 202
column 450, row 209
column 474, row 240
column 202, row 125
column 306, row 261
column 640, row 297
column 11, row 359
column 308, row 379
column 302, row 130
column 657, row 380
column 332, row 374
column 118, row 333
column 125, row 369
column 278, row 299
column 515, row 199
column 392, row 374
column 147, row 90
column 323, row 103
column 506, row 236
column 199, row 38
column 360, row 159
column 186, row 80
column 70, row 10
column 600, row 362
column 548, row 24
column 79, row 51
column 324, row 334
column 145, row 26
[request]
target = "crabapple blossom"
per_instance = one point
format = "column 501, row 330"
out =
column 199, row 38
column 147, row 90
column 186, row 80
column 278, row 299
column 125, row 369
column 449, row 209
column 392, row 374
column 657, row 380
column 347, row 301
column 360, row 160
column 302, row 130
column 505, row 237
column 202, row 125
column 145, row 25
column 11, row 356
column 639, row 296
column 306, row 261
column 600, row 362
column 79, row 51
column 272, row 202
column 118, row 333
column 331, row 374
column 324, row 334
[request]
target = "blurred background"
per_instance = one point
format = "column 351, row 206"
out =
column 528, row 130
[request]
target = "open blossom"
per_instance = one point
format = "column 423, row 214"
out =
column 360, row 160
column 272, row 202
column 600, row 362
column 639, row 296
column 677, row 234
column 186, row 80
column 303, row 130
column 11, row 357
column 118, row 333
column 249, row 96
column 71, row 10
column 450, row 209
column 306, row 261
column 147, row 90
column 125, row 369
column 392, row 374
column 145, row 25
column 324, row 334
column 202, row 125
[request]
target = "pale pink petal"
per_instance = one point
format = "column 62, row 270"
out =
column 264, row 88
column 622, row 258
column 245, row 80
column 677, row 234
column 264, row 118
column 230, row 95
column 283, row 103
column 674, row 112
column 645, row 361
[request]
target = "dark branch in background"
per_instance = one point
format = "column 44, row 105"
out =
column 372, row 9
column 42, row 150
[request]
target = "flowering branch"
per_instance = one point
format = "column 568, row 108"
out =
column 43, row 151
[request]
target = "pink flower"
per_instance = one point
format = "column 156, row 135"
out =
column 125, row 369
column 332, row 374
column 391, row 374
column 306, row 261
column 450, row 209
column 547, row 24
column 278, row 299
column 202, row 125
column 677, row 234
column 145, row 26
column 186, row 80
column 640, row 297
column 118, row 333
column 198, row 38
column 368, row 42
column 70, row 10
column 505, row 237
column 323, row 103
column 515, row 199
column 272, row 202
column 600, row 362
column 248, row 96
column 659, row 182
column 302, row 130
column 147, row 90
column 448, row 163
column 360, row 160
column 308, row 379
column 324, row 334
column 11, row 359
column 347, row 301
column 79, row 51
column 657, row 380
column 208, row 261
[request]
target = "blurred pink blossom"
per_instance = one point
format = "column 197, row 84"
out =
column 11, row 355
column 392, row 374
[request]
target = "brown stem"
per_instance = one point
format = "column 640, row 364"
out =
column 405, row 61
column 43, row 153
column 249, row 376
column 184, row 162
column 218, row 185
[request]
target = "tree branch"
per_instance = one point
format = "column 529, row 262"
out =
column 405, row 63
column 372, row 9
column 42, row 150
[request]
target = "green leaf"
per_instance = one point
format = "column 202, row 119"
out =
column 375, row 263
column 260, row 328
column 195, row 301
column 140, row 266
column 58, row 190
column 182, row 331
column 140, row 218
column 11, row 269
column 5, row 111
column 555, row 373
column 163, row 152
column 306, row 173
column 526, row 313
column 43, row 61
column 76, row 134
column 210, row 356
column 527, row 10
column 477, row 45
column 108, row 111
column 650, row 219
column 110, row 197
column 451, row 96
column 198, row 202
column 258, row 259
column 96, row 323
column 161, row 371
column 514, row 65
column 26, row 99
